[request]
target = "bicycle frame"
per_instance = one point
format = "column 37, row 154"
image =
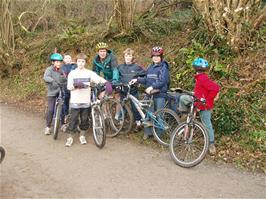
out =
column 140, row 106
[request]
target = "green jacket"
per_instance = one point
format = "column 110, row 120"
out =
column 108, row 67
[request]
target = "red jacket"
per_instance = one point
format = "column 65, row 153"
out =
column 205, row 88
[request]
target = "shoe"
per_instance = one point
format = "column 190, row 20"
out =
column 212, row 149
column 47, row 131
column 82, row 139
column 145, row 137
column 64, row 127
column 138, row 123
column 69, row 141
column 117, row 116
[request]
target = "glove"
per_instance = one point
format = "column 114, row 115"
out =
column 108, row 88
column 148, row 90
column 79, row 85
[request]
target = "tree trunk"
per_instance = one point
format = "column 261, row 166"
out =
column 6, row 26
column 124, row 13
column 228, row 18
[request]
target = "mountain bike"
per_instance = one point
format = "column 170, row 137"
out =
column 2, row 154
column 98, row 124
column 189, row 142
column 58, row 112
column 163, row 121
column 110, row 107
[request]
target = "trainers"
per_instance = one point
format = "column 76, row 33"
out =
column 116, row 116
column 212, row 149
column 64, row 127
column 47, row 131
column 138, row 123
column 82, row 139
column 69, row 141
column 145, row 137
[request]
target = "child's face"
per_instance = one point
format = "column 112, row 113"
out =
column 67, row 59
column 57, row 64
column 81, row 63
column 156, row 59
column 102, row 53
column 128, row 58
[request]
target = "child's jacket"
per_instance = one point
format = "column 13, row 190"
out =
column 53, row 78
column 157, row 76
column 82, row 96
column 207, row 89
column 108, row 67
column 128, row 72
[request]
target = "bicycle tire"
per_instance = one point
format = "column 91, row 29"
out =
column 110, row 107
column 58, row 110
column 128, row 119
column 170, row 121
column 178, row 139
column 98, row 127
column 3, row 154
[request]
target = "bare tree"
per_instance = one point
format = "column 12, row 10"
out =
column 228, row 18
column 6, row 24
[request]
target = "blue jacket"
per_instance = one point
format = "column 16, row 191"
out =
column 108, row 67
column 66, row 69
column 157, row 76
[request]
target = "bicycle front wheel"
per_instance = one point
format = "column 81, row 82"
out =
column 128, row 119
column 189, row 144
column 164, row 123
column 114, row 115
column 58, row 111
column 98, row 128
column 2, row 154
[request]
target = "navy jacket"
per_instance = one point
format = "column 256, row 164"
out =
column 128, row 72
column 157, row 76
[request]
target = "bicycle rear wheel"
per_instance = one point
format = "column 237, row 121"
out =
column 128, row 119
column 2, row 154
column 164, row 124
column 98, row 128
column 111, row 108
column 189, row 144
column 58, row 110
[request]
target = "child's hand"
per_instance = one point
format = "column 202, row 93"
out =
column 148, row 90
column 133, row 81
column 216, row 97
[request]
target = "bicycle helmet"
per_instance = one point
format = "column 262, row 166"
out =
column 200, row 63
column 101, row 45
column 56, row 57
column 157, row 51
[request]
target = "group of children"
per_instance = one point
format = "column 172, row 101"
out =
column 75, row 79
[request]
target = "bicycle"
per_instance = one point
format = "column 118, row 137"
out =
column 2, row 154
column 110, row 107
column 164, row 120
column 98, row 124
column 58, row 112
column 189, row 142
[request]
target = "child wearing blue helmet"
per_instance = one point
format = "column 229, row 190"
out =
column 207, row 89
column 54, row 78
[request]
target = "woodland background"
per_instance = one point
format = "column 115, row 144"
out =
column 231, row 34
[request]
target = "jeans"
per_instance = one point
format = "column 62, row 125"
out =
column 158, row 103
column 205, row 117
column 66, row 102
column 50, row 112
column 75, row 114
column 133, row 108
